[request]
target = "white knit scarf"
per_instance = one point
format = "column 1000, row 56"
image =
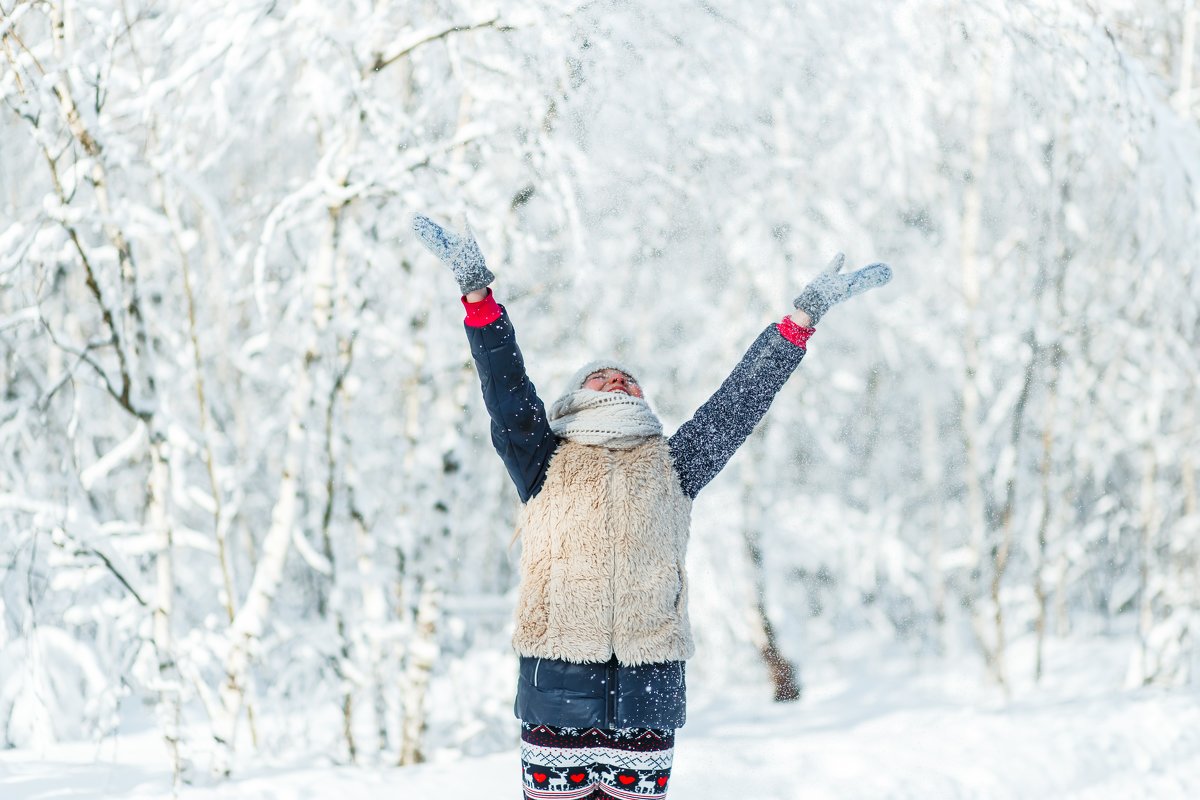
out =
column 608, row 419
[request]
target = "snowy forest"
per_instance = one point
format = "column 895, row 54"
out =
column 248, row 501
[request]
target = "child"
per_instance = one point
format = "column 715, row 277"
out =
column 601, row 622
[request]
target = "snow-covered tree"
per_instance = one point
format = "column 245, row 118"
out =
column 244, row 467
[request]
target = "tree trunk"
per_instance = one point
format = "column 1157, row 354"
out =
column 1187, row 54
column 169, row 710
column 972, row 218
column 1004, row 548
column 1148, row 666
column 251, row 618
column 784, row 681
column 931, row 474
column 421, row 657
column 1047, row 462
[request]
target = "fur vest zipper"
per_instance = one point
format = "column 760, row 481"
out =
column 602, row 560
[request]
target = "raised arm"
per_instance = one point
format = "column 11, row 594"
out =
column 704, row 444
column 520, row 432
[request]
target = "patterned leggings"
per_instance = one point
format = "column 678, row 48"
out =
column 591, row 764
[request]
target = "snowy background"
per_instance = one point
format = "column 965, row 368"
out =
column 253, row 539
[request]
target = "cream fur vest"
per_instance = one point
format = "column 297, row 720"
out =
column 602, row 560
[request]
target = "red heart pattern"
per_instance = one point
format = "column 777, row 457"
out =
column 639, row 761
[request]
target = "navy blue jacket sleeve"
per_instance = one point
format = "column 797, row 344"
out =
column 520, row 431
column 704, row 444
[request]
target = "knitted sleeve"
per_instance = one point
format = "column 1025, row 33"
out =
column 704, row 444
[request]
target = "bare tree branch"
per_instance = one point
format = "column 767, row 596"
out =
column 383, row 60
column 84, row 550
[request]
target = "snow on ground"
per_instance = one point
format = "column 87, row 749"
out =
column 869, row 727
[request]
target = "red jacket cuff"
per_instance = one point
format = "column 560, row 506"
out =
column 795, row 334
column 485, row 312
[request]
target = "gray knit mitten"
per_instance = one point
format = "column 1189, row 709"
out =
column 460, row 252
column 830, row 287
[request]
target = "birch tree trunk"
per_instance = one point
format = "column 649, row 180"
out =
column 169, row 709
column 248, row 625
column 250, row 621
column 931, row 474
column 972, row 218
column 374, row 621
column 1188, row 562
column 422, row 655
column 1004, row 547
column 1147, row 666
column 136, row 392
column 325, row 606
column 1064, row 253
column 1040, row 566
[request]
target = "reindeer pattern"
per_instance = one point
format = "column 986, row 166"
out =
column 582, row 764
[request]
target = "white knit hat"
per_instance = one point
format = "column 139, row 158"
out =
column 580, row 376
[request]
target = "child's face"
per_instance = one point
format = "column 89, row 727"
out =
column 612, row 380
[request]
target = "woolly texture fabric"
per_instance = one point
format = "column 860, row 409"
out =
column 605, row 419
column 603, row 558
